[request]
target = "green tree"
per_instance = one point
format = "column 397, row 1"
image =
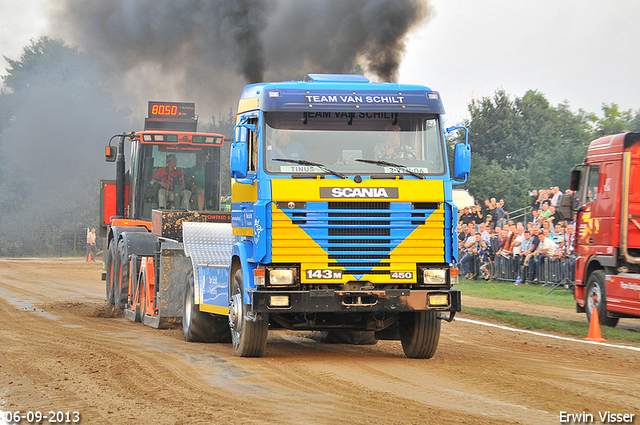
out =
column 224, row 125
column 523, row 144
column 55, row 117
column 635, row 123
column 494, row 128
column 614, row 121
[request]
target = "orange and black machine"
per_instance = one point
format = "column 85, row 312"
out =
column 142, row 220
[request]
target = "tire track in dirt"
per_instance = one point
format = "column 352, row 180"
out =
column 72, row 352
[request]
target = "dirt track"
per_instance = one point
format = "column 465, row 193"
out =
column 61, row 349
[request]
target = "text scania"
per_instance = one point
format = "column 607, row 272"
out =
column 359, row 192
column 353, row 99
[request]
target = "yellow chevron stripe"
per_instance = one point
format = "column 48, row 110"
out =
column 301, row 190
column 292, row 244
column 214, row 309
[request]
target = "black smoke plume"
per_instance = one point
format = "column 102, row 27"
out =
column 206, row 50
column 59, row 106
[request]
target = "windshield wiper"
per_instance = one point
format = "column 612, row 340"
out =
column 390, row 164
column 309, row 163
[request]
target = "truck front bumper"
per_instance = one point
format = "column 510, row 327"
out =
column 331, row 301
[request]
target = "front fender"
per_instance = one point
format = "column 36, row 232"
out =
column 142, row 244
column 243, row 252
column 116, row 231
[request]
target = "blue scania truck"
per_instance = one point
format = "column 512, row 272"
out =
column 342, row 219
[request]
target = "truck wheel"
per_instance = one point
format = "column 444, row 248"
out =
column 199, row 326
column 121, row 289
column 349, row 337
column 137, row 295
column 419, row 334
column 596, row 297
column 110, row 265
column 143, row 295
column 249, row 337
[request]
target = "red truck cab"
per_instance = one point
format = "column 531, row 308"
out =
column 608, row 229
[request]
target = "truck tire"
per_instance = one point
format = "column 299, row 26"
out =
column 349, row 337
column 137, row 295
column 143, row 295
column 596, row 297
column 110, row 266
column 249, row 337
column 199, row 326
column 420, row 334
column 121, row 289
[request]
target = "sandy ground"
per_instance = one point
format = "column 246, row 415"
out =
column 62, row 349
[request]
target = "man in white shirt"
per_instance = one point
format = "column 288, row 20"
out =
column 546, row 249
column 568, row 239
column 485, row 234
column 91, row 245
column 556, row 196
column 518, row 241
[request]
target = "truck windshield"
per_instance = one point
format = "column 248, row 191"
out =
column 338, row 139
column 184, row 177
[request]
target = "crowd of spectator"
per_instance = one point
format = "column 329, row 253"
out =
column 489, row 242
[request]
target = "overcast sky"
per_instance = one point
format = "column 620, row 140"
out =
column 582, row 51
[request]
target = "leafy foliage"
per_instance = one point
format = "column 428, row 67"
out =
column 524, row 144
column 55, row 117
column 614, row 121
column 224, row 125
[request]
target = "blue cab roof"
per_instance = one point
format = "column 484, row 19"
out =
column 343, row 92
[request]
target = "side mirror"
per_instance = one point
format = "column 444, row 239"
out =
column 110, row 153
column 461, row 156
column 564, row 209
column 576, row 176
column 240, row 150
column 462, row 161
column 239, row 160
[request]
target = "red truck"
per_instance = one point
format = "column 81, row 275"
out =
column 607, row 239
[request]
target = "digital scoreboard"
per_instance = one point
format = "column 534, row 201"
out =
column 178, row 110
column 177, row 116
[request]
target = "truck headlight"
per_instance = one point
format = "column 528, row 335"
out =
column 438, row 300
column 281, row 277
column 434, row 277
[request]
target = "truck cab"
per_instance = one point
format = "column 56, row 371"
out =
column 169, row 133
column 608, row 229
column 343, row 213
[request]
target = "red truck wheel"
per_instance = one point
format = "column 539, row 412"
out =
column 596, row 297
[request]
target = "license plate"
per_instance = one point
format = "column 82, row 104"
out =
column 323, row 274
column 401, row 275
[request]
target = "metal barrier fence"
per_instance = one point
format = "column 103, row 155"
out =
column 33, row 241
column 540, row 270
column 523, row 214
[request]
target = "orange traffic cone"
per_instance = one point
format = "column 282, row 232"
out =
column 594, row 328
column 89, row 259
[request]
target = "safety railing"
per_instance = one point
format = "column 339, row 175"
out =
column 522, row 214
column 541, row 270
